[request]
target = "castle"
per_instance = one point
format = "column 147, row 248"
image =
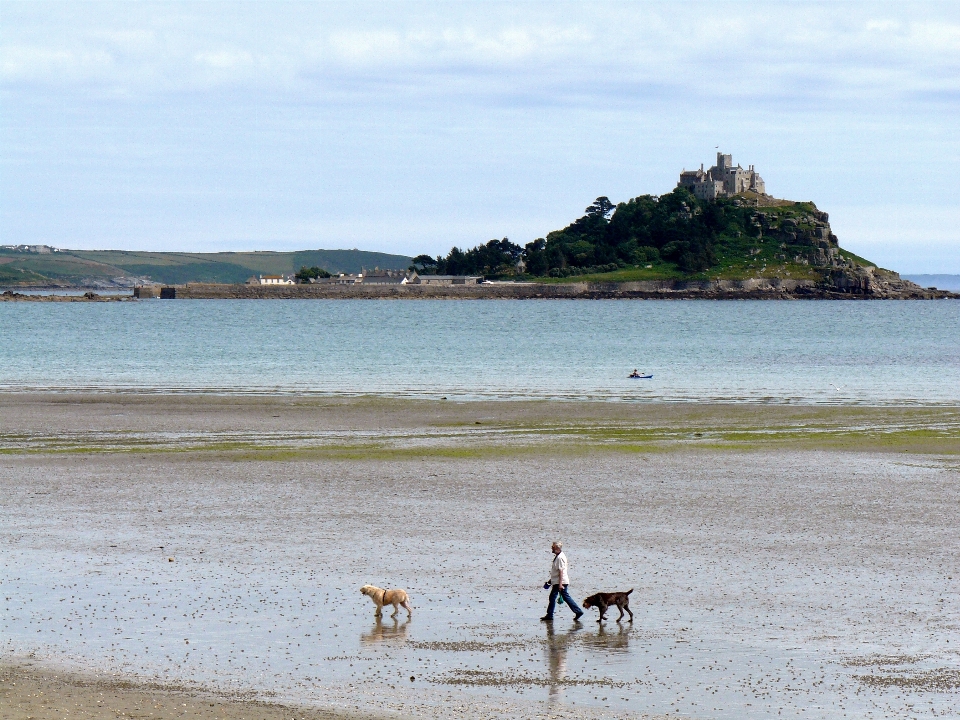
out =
column 722, row 180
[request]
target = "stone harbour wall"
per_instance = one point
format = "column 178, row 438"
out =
column 860, row 283
column 844, row 284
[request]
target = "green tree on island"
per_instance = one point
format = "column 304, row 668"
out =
column 497, row 257
column 675, row 230
column 307, row 274
column 425, row 265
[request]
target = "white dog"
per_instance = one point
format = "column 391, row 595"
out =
column 381, row 597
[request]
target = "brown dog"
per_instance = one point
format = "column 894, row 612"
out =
column 381, row 597
column 605, row 600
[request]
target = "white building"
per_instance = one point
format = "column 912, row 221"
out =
column 275, row 280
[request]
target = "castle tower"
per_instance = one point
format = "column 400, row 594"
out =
column 722, row 180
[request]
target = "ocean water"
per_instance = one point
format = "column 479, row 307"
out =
column 874, row 353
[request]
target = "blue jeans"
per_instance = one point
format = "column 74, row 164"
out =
column 561, row 590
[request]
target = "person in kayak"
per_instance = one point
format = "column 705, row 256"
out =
column 634, row 374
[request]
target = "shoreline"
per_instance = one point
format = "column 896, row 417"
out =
column 750, row 289
column 330, row 426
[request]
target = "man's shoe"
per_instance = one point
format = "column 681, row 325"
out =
column 576, row 618
column 547, row 618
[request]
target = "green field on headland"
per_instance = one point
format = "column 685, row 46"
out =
column 26, row 266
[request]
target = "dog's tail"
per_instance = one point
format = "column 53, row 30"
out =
column 629, row 591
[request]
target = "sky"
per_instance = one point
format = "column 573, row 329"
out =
column 412, row 127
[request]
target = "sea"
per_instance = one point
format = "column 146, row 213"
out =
column 792, row 352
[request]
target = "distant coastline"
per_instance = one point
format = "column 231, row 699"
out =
column 941, row 282
column 43, row 266
column 757, row 289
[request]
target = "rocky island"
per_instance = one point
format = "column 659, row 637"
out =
column 717, row 234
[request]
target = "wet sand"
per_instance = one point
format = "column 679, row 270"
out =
column 28, row 692
column 800, row 561
column 321, row 427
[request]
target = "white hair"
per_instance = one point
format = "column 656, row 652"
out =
column 558, row 543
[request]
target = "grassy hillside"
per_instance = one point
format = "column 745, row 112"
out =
column 15, row 275
column 81, row 267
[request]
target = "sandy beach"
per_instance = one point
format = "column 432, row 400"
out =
column 30, row 692
column 200, row 556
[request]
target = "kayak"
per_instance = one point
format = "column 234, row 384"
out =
column 639, row 377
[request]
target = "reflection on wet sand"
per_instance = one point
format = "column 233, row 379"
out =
column 609, row 641
column 380, row 632
column 557, row 646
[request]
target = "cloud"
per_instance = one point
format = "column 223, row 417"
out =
column 455, row 47
column 225, row 59
column 813, row 53
column 38, row 63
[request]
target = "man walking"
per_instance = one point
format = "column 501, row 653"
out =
column 559, row 580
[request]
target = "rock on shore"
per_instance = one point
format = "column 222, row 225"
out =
column 13, row 296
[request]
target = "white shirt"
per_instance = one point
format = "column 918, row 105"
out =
column 558, row 571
